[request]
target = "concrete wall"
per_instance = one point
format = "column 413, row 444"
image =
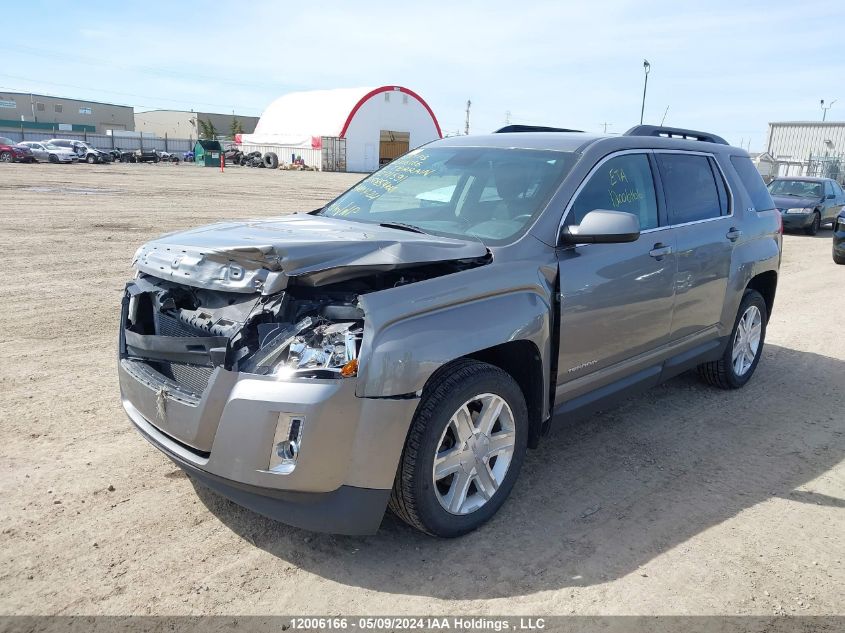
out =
column 180, row 124
column 48, row 112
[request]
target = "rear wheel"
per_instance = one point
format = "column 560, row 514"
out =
column 464, row 450
column 837, row 258
column 743, row 352
column 814, row 227
column 5, row 157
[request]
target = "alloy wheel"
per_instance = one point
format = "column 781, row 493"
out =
column 474, row 453
column 747, row 340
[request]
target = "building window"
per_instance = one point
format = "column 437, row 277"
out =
column 387, row 96
column 84, row 110
column 39, row 106
column 58, row 108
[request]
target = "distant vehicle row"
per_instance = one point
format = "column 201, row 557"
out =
column 72, row 151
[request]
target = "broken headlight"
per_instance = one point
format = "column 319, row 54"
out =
column 313, row 347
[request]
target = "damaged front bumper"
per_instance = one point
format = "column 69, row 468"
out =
column 223, row 426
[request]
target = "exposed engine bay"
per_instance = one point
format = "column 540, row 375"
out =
column 181, row 331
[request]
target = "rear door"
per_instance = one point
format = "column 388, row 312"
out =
column 839, row 198
column 615, row 310
column 831, row 208
column 699, row 207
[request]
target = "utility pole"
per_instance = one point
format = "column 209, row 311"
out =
column 466, row 125
column 604, row 125
column 825, row 109
column 664, row 116
column 646, row 69
column 507, row 117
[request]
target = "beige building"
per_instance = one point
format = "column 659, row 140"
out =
column 181, row 124
column 36, row 112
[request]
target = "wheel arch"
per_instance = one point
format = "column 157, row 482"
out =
column 766, row 284
column 522, row 361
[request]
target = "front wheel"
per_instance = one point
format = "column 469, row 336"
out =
column 463, row 452
column 5, row 157
column 745, row 347
column 814, row 227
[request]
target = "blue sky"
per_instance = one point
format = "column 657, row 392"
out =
column 727, row 67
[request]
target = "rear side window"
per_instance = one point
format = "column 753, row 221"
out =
column 691, row 192
column 624, row 183
column 753, row 183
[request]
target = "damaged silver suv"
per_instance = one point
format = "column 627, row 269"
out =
column 403, row 345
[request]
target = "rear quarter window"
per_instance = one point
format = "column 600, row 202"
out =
column 753, row 183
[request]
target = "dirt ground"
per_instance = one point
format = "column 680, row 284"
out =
column 687, row 500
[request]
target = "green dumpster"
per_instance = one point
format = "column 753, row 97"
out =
column 207, row 153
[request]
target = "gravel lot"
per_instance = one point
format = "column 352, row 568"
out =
column 686, row 500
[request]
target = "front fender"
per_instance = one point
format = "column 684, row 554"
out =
column 413, row 330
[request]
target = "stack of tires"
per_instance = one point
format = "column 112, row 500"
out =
column 270, row 160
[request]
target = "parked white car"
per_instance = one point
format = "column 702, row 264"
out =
column 51, row 153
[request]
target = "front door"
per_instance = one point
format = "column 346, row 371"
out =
column 615, row 299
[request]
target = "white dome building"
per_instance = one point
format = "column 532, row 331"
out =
column 347, row 129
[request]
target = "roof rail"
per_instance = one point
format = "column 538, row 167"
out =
column 675, row 132
column 531, row 128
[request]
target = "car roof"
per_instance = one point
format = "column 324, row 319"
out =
column 580, row 141
column 802, row 178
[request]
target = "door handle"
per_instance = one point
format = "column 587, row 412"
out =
column 733, row 234
column 660, row 251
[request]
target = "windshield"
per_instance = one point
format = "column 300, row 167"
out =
column 796, row 188
column 490, row 194
column 6, row 141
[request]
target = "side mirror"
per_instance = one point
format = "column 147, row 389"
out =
column 602, row 227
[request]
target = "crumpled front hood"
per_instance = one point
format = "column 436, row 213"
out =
column 791, row 202
column 261, row 255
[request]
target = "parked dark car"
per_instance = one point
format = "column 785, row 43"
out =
column 85, row 151
column 11, row 152
column 140, row 156
column 839, row 238
column 807, row 203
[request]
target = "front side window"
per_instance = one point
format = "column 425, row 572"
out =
column 486, row 193
column 624, row 183
column 690, row 187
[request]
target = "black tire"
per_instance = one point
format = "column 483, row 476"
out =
column 814, row 227
column 271, row 160
column 5, row 157
column 53, row 158
column 838, row 259
column 414, row 497
column 721, row 373
column 90, row 159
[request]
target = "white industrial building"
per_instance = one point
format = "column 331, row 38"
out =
column 807, row 148
column 347, row 129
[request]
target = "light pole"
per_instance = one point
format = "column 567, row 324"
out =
column 825, row 109
column 646, row 69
